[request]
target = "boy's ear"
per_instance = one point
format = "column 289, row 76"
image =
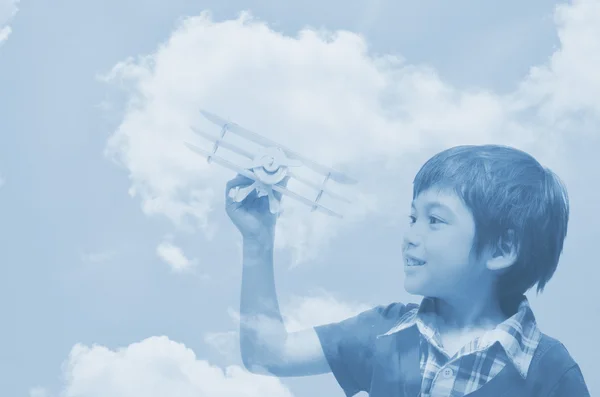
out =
column 505, row 253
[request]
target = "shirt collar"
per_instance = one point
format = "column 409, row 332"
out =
column 518, row 335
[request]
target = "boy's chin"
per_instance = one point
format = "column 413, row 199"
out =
column 414, row 287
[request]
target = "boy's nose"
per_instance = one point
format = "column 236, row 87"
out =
column 412, row 237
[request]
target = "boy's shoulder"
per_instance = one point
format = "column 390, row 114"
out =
column 369, row 323
column 389, row 315
column 388, row 312
column 553, row 365
column 552, row 353
column 396, row 310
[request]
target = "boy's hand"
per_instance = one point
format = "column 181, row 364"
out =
column 252, row 216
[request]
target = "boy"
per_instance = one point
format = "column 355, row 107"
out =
column 487, row 224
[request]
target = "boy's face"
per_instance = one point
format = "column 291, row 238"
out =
column 437, row 247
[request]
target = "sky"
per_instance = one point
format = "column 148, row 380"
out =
column 120, row 270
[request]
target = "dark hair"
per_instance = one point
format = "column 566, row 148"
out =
column 511, row 196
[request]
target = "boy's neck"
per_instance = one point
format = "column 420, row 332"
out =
column 466, row 313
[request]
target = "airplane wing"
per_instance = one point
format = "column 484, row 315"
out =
column 224, row 144
column 318, row 187
column 250, row 175
column 335, row 175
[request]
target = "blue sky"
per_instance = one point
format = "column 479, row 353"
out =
column 118, row 261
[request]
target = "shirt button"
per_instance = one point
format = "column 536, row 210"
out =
column 448, row 373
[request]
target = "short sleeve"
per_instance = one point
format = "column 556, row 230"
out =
column 348, row 344
column 571, row 384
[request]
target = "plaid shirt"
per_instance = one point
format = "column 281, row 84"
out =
column 512, row 342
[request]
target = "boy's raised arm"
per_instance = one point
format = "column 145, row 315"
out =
column 266, row 347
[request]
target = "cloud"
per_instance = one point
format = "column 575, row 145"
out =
column 98, row 257
column 2, row 182
column 326, row 96
column 319, row 308
column 225, row 343
column 298, row 312
column 158, row 367
column 38, row 392
column 8, row 9
column 563, row 93
column 174, row 257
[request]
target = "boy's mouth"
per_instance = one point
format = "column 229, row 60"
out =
column 410, row 261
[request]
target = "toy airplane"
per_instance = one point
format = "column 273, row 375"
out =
column 267, row 167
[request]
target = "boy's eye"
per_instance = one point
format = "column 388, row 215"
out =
column 434, row 220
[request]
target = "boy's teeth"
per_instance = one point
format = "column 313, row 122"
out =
column 414, row 262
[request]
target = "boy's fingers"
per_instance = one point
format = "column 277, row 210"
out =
column 238, row 181
column 242, row 181
column 283, row 183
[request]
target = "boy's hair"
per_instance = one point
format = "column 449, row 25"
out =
column 506, row 189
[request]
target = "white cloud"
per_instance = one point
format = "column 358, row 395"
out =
column 568, row 86
column 174, row 256
column 226, row 343
column 307, row 311
column 4, row 33
column 324, row 95
column 8, row 9
column 158, row 367
column 298, row 312
column 2, row 181
column 98, row 257
column 38, row 392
